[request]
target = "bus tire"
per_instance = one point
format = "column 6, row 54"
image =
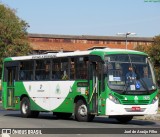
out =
column 25, row 108
column 81, row 112
column 124, row 119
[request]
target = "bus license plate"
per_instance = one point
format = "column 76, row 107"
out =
column 136, row 109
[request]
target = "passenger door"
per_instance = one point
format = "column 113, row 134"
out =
column 10, row 76
column 95, row 87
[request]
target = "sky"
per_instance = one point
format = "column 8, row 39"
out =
column 89, row 17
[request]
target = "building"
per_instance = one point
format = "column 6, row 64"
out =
column 55, row 43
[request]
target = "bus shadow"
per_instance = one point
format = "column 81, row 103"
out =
column 46, row 116
column 132, row 122
column 104, row 120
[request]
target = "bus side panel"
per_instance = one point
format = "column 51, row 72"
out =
column 35, row 107
column 102, row 102
column 4, row 95
column 49, row 95
column 78, row 89
column 20, row 91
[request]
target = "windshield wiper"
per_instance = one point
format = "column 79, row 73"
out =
column 125, row 88
column 142, row 81
column 144, row 85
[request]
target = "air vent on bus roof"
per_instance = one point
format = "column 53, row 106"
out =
column 97, row 47
column 49, row 52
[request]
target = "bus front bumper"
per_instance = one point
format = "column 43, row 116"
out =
column 113, row 109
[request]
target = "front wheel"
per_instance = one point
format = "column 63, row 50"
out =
column 26, row 110
column 124, row 119
column 81, row 112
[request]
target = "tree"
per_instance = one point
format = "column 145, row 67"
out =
column 13, row 34
column 154, row 52
column 142, row 48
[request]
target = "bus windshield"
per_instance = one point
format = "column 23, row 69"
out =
column 129, row 73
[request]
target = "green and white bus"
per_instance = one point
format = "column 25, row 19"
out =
column 84, row 84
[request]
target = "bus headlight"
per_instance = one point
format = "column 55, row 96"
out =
column 154, row 100
column 114, row 99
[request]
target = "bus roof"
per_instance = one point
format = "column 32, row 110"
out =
column 100, row 52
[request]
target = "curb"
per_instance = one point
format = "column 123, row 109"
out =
column 148, row 117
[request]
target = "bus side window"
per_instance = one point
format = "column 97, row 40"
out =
column 42, row 70
column 47, row 70
column 56, row 69
column 38, row 69
column 64, row 69
column 82, row 67
column 26, row 70
column 72, row 69
column 21, row 72
column 60, row 69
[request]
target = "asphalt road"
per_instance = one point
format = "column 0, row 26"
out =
column 12, row 119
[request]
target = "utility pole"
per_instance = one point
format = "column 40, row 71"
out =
column 126, row 36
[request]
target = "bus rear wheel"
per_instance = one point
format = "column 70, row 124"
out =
column 26, row 110
column 124, row 119
column 81, row 112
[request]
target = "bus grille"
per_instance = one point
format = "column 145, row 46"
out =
column 133, row 102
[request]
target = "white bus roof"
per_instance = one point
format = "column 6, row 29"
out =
column 75, row 53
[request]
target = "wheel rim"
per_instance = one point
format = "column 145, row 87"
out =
column 24, row 108
column 82, row 110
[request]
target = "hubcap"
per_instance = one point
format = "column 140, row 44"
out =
column 82, row 110
column 24, row 108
